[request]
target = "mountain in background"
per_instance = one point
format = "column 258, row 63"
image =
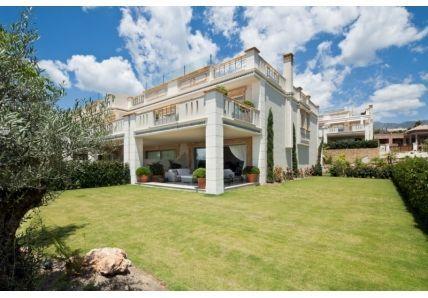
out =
column 405, row 124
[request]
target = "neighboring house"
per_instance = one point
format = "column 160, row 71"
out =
column 346, row 125
column 413, row 139
column 187, row 121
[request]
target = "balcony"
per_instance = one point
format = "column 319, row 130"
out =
column 193, row 110
column 238, row 111
column 305, row 135
column 116, row 127
column 207, row 74
column 353, row 128
column 359, row 127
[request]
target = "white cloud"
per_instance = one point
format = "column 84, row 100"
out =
column 159, row 40
column 424, row 76
column 419, row 49
column 88, row 8
column 221, row 19
column 113, row 75
column 377, row 28
column 321, row 85
column 277, row 30
column 397, row 99
column 56, row 71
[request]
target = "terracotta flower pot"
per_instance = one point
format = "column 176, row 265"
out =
column 252, row 178
column 143, row 178
column 202, row 183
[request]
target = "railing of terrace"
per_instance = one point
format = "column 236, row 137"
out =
column 237, row 110
column 305, row 134
column 270, row 72
column 230, row 66
column 116, row 126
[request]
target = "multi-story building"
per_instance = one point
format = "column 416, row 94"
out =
column 189, row 122
column 345, row 125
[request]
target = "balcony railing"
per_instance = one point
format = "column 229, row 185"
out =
column 195, row 109
column 229, row 67
column 354, row 128
column 305, row 135
column 239, row 111
column 270, row 72
column 116, row 127
column 358, row 127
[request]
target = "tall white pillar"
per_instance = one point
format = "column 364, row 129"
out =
column 126, row 138
column 214, row 143
column 260, row 142
column 136, row 151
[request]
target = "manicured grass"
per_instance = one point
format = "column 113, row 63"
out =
column 319, row 233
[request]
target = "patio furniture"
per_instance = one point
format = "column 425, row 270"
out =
column 187, row 178
column 175, row 175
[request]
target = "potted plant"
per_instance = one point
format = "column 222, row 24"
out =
column 252, row 173
column 200, row 174
column 143, row 174
column 157, row 172
column 222, row 89
column 248, row 103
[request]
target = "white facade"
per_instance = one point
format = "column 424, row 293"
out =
column 189, row 112
column 344, row 124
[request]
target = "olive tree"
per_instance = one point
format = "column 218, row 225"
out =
column 36, row 136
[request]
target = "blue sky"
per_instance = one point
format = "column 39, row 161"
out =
column 344, row 57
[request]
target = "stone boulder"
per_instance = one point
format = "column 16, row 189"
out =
column 107, row 261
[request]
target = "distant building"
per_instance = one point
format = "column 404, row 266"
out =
column 408, row 140
column 346, row 125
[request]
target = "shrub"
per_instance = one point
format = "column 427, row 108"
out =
column 339, row 166
column 410, row 176
column 199, row 173
column 143, row 171
column 222, row 89
column 249, row 103
column 86, row 174
column 278, row 174
column 270, row 166
column 317, row 169
column 251, row 170
column 157, row 169
column 294, row 153
column 352, row 144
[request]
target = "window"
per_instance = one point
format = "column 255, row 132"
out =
column 161, row 154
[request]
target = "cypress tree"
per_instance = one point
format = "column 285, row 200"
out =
column 294, row 154
column 318, row 167
column 270, row 147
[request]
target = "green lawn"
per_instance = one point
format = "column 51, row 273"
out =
column 314, row 234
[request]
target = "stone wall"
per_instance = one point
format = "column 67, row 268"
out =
column 366, row 154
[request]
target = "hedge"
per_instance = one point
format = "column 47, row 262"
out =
column 85, row 174
column 410, row 176
column 351, row 144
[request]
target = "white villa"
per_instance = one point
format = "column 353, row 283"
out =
column 187, row 121
column 346, row 125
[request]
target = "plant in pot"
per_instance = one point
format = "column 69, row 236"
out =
column 143, row 174
column 157, row 172
column 252, row 173
column 248, row 103
column 200, row 174
column 222, row 89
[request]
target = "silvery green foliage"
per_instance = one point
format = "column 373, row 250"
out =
column 36, row 136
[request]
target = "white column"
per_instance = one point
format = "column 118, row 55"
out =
column 260, row 142
column 126, row 138
column 252, row 57
column 214, row 143
column 135, row 150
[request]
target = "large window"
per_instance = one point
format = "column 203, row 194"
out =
column 169, row 154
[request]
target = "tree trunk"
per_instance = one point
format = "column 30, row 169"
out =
column 13, row 207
